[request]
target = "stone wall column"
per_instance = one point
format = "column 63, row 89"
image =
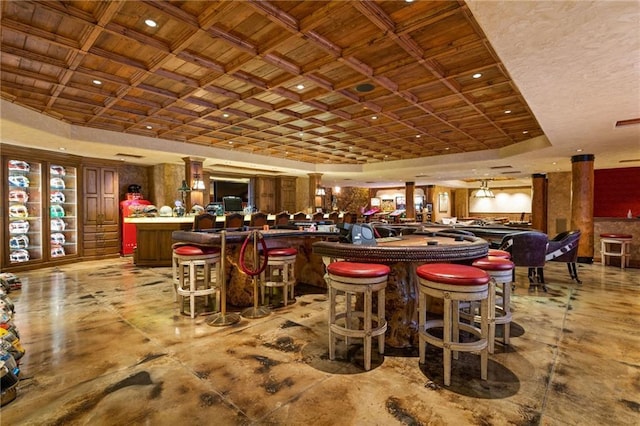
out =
column 539, row 202
column 582, row 181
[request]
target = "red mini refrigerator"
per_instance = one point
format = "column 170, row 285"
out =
column 132, row 206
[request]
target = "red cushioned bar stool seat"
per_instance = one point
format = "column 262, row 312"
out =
column 195, row 272
column 499, row 253
column 501, row 272
column 608, row 244
column 280, row 273
column 357, row 279
column 453, row 284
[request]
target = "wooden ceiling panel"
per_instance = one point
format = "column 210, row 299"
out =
column 212, row 72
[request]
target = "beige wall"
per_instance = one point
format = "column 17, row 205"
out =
column 558, row 203
column 439, row 195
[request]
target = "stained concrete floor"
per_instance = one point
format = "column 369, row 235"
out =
column 106, row 345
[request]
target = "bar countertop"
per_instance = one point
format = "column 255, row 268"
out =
column 159, row 219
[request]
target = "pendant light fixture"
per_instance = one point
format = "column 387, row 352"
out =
column 484, row 191
column 198, row 184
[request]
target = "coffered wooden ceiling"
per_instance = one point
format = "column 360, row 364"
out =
column 337, row 82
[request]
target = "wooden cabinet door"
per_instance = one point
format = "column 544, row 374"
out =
column 109, row 182
column 91, row 195
column 101, row 214
column 265, row 194
column 286, row 194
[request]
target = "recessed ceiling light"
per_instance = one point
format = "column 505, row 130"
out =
column 477, row 75
column 508, row 111
column 446, row 149
column 62, row 148
column 525, row 132
column 225, row 115
column 300, row 86
column 149, row 127
column 230, row 142
column 97, row 82
column 418, row 136
column 554, row 163
column 375, row 117
column 579, row 150
column 151, row 23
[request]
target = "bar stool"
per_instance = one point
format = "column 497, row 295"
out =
column 354, row 279
column 501, row 272
column 280, row 263
column 197, row 266
column 609, row 241
column 454, row 284
column 499, row 253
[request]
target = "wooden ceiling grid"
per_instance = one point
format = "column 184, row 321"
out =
column 206, row 60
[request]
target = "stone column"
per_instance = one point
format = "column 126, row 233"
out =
column 539, row 202
column 582, row 181
column 409, row 194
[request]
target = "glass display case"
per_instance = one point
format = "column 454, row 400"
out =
column 41, row 211
column 63, row 211
column 24, row 206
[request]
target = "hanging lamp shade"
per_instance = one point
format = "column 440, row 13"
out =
column 484, row 191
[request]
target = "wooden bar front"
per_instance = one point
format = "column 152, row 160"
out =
column 309, row 268
column 403, row 257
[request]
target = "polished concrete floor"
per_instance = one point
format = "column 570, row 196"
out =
column 106, row 345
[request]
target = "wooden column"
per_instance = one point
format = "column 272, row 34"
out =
column 582, row 180
column 539, row 202
column 193, row 167
column 409, row 194
column 314, row 183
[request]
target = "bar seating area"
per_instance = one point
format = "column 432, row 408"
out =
column 319, row 213
column 351, row 280
column 195, row 274
column 454, row 284
column 280, row 273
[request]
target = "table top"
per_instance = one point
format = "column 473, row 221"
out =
column 416, row 247
column 214, row 238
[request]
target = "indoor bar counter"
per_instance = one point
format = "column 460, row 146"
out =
column 153, row 238
column 309, row 268
column 403, row 255
column 153, row 235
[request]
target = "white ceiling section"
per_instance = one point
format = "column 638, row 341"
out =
column 577, row 64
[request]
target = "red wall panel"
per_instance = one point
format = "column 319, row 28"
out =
column 616, row 191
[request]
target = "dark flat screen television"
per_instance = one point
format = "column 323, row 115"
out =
column 232, row 204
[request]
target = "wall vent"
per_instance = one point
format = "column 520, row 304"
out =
column 129, row 155
column 629, row 122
